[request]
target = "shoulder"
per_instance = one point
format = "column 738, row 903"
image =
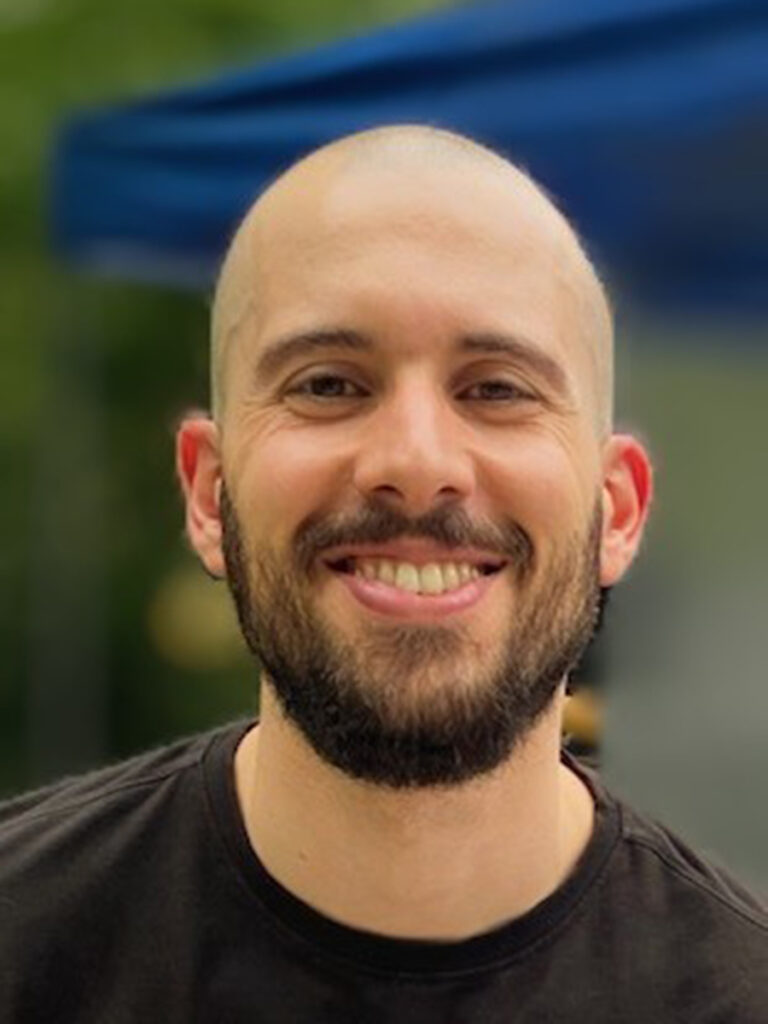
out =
column 80, row 820
column 651, row 857
column 102, row 863
column 671, row 922
column 682, row 912
column 672, row 887
column 105, row 786
column 668, row 863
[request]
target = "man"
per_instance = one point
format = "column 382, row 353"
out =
column 411, row 484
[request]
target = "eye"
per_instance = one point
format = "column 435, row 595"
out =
column 501, row 390
column 325, row 385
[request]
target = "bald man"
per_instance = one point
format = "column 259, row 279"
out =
column 411, row 484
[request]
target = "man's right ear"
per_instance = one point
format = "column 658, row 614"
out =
column 198, row 464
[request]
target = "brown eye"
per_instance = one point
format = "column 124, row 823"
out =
column 324, row 385
column 500, row 390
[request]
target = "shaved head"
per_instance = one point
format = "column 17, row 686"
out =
column 409, row 176
column 411, row 367
column 411, row 485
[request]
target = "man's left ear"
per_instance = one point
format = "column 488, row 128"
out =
column 627, row 492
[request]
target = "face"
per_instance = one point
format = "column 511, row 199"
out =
column 429, row 423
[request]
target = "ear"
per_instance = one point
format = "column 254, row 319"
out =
column 627, row 493
column 198, row 465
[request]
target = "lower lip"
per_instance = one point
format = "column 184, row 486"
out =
column 380, row 597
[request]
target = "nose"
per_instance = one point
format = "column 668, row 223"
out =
column 412, row 452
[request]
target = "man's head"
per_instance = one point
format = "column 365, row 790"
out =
column 393, row 173
column 412, row 378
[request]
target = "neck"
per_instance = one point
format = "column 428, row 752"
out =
column 426, row 864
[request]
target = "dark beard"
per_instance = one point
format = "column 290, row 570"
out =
column 388, row 735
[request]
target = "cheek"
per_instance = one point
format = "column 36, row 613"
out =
column 541, row 487
column 281, row 477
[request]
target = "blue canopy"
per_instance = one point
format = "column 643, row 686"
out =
column 647, row 119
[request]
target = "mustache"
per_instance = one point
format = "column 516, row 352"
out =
column 448, row 526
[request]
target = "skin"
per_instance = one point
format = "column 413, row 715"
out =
column 414, row 241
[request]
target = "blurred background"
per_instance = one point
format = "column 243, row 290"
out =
column 134, row 137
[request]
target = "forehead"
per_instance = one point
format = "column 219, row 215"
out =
column 337, row 211
column 415, row 255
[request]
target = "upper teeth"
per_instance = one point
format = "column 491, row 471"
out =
column 426, row 579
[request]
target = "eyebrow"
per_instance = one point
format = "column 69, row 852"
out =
column 284, row 350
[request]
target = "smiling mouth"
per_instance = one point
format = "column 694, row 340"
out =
column 432, row 578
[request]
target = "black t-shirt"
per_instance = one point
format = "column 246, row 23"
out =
column 133, row 895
